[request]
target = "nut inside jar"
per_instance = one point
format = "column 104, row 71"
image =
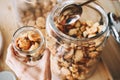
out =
column 80, row 29
column 76, row 60
column 29, row 43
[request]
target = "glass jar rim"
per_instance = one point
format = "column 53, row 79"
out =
column 19, row 30
column 93, row 4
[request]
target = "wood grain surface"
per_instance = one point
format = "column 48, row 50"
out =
column 110, row 56
column 111, row 52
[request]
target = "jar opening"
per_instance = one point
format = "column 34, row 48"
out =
column 22, row 33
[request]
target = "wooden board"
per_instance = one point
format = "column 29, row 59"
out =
column 110, row 56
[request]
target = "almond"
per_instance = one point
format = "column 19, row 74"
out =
column 73, row 31
column 78, row 55
column 34, row 36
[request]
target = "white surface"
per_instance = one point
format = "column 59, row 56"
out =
column 6, row 75
column 1, row 42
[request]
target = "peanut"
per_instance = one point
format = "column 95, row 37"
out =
column 78, row 55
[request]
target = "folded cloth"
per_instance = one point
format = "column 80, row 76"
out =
column 1, row 42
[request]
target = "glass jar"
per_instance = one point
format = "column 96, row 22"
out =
column 30, row 44
column 76, row 48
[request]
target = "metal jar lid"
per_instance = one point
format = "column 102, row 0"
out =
column 114, row 24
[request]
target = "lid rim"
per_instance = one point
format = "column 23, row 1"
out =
column 113, row 24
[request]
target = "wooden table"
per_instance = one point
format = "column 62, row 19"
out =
column 110, row 56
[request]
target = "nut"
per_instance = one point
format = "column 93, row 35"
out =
column 72, row 45
column 75, row 65
column 78, row 55
column 83, row 28
column 73, row 70
column 85, row 33
column 65, row 71
column 61, row 50
column 91, row 35
column 81, row 77
column 91, row 30
column 33, row 36
column 73, row 31
column 63, row 63
column 40, row 22
column 99, row 49
column 89, row 23
column 77, row 24
column 91, row 62
column 69, row 54
column 37, row 13
column 100, row 28
column 75, row 75
column 23, row 43
column 98, row 41
column 69, row 77
column 61, row 18
column 34, row 46
column 96, row 24
column 27, row 13
column 91, row 48
column 93, row 54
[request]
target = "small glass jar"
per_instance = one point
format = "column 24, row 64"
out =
column 29, row 43
column 75, row 57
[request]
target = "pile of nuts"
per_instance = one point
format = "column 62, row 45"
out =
column 28, row 41
column 35, row 15
column 81, row 29
column 77, row 28
column 75, row 62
